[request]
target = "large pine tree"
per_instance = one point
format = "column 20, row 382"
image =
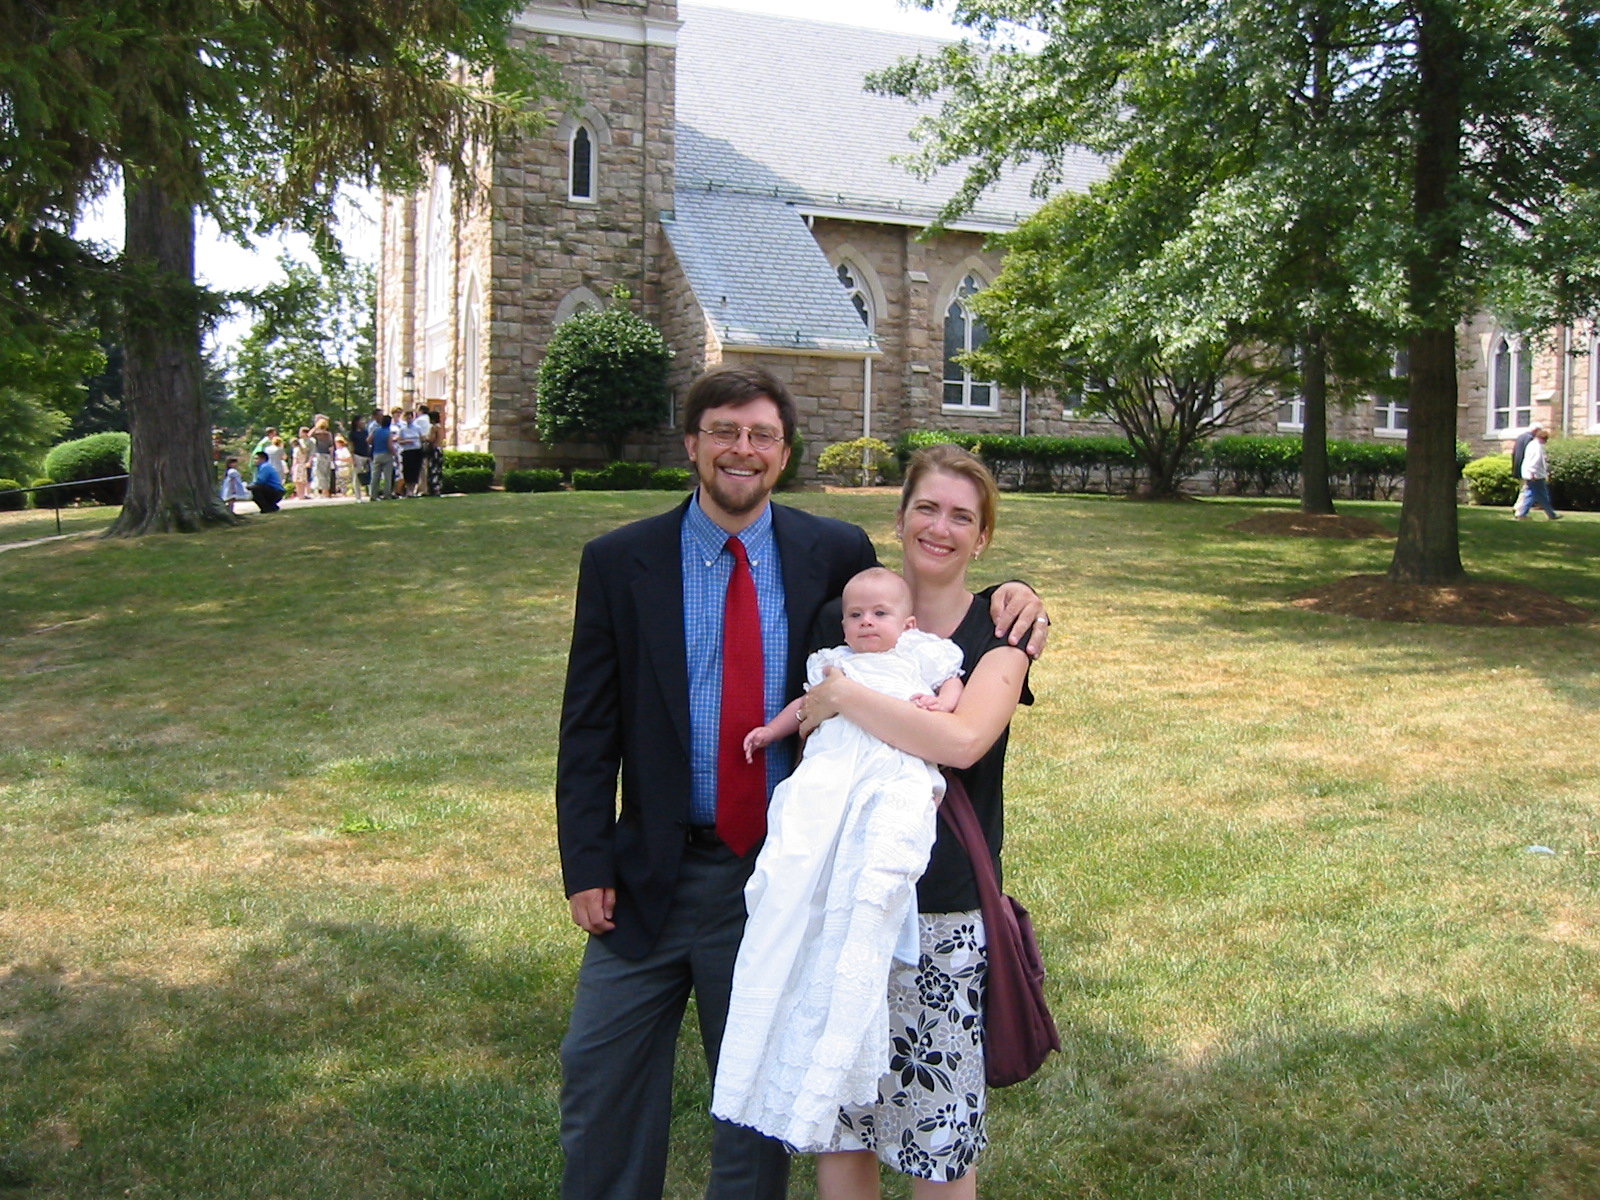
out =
column 252, row 112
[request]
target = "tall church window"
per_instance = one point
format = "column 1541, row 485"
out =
column 472, row 360
column 1510, row 384
column 439, row 231
column 1391, row 410
column 581, row 173
column 964, row 332
column 854, row 288
column 1594, row 377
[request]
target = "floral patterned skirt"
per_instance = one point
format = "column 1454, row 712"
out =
column 929, row 1119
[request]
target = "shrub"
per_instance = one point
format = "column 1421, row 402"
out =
column 1262, row 464
column 604, row 375
column 1575, row 473
column 1489, row 480
column 456, row 459
column 92, row 457
column 671, row 479
column 860, row 463
column 468, row 479
column 615, row 477
column 46, row 499
column 12, row 497
column 532, row 479
column 797, row 454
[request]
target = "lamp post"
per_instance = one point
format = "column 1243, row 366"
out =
column 408, row 387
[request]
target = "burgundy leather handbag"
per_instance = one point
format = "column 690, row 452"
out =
column 1018, row 1030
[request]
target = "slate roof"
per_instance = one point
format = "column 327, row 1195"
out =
column 775, row 105
column 759, row 275
column 773, row 120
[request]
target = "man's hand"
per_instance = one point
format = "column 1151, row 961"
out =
column 592, row 909
column 1019, row 617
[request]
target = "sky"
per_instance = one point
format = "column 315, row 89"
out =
column 222, row 263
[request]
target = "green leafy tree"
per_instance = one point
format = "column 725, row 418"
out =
column 1064, row 313
column 604, row 375
column 311, row 348
column 253, row 114
column 1403, row 158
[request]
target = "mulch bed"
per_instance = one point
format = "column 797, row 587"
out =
column 1301, row 524
column 1376, row 598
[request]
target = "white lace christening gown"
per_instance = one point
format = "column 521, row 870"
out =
column 848, row 836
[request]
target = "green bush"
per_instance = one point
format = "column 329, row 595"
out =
column 590, row 481
column 860, row 463
column 468, row 479
column 671, row 479
column 1036, row 461
column 456, row 459
column 38, row 499
column 93, row 457
column 1489, row 480
column 615, row 477
column 1575, row 473
column 797, row 455
column 532, row 479
column 604, row 376
column 1262, row 464
column 12, row 497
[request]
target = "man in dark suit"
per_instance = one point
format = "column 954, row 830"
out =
column 654, row 881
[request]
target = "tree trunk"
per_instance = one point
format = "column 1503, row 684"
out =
column 1429, row 546
column 1315, row 494
column 172, row 485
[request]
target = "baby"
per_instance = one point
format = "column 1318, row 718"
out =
column 832, row 897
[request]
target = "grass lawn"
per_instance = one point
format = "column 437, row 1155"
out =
column 281, row 916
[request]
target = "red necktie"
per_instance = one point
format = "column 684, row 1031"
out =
column 741, row 786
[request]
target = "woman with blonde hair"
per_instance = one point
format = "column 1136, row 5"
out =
column 929, row 1119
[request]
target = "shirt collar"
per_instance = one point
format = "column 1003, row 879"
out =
column 709, row 539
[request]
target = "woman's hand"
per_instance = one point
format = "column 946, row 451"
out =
column 822, row 700
column 1019, row 617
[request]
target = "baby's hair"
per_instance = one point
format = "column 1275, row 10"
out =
column 873, row 573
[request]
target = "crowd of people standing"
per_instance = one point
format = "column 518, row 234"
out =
column 381, row 456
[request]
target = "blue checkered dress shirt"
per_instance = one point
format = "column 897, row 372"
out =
column 707, row 566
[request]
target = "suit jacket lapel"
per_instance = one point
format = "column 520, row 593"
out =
column 805, row 580
column 658, row 592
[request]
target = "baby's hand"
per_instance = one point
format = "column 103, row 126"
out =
column 926, row 700
column 756, row 739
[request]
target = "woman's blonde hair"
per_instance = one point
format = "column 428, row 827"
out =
column 953, row 460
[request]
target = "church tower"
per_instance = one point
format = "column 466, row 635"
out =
column 469, row 294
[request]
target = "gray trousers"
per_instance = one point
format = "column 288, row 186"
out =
column 616, row 1060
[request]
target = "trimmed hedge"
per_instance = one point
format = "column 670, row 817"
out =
column 12, row 497
column 1575, row 473
column 614, row 477
column 671, row 479
column 92, row 457
column 532, row 479
column 1489, row 480
column 454, row 460
column 1035, row 462
column 468, row 479
column 38, row 499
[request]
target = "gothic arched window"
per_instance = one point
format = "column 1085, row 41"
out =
column 964, row 332
column 581, row 172
column 1510, row 384
column 855, row 289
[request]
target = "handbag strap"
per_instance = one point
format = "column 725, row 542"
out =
column 957, row 812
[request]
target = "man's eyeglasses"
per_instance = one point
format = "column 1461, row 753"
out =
column 761, row 437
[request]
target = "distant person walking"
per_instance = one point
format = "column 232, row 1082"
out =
column 322, row 457
column 303, row 451
column 1536, row 478
column 360, row 456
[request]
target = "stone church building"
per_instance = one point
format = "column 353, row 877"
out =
column 730, row 173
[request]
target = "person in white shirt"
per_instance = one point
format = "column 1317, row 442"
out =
column 1536, row 478
column 409, row 438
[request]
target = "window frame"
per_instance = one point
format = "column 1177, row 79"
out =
column 970, row 321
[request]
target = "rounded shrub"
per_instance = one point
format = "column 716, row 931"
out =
column 1489, row 480
column 456, row 459
column 43, row 499
column 468, row 479
column 12, row 497
column 94, row 457
column 604, row 376
column 532, row 479
column 1575, row 473
column 860, row 463
column 671, row 479
column 585, row 480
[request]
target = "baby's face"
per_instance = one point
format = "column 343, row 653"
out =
column 876, row 613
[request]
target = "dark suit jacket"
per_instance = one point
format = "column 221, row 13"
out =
column 626, row 705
